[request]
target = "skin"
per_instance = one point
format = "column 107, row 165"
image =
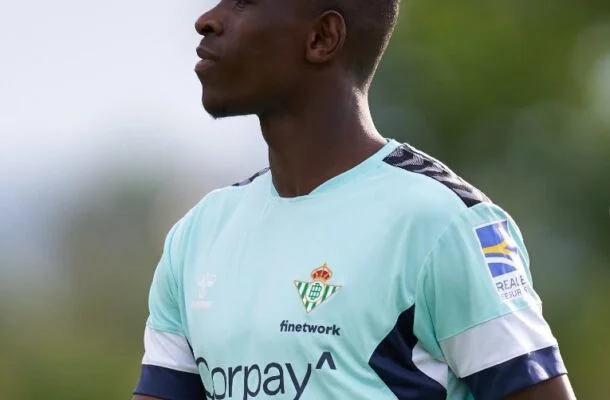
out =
column 286, row 63
column 279, row 60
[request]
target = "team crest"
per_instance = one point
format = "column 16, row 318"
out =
column 318, row 290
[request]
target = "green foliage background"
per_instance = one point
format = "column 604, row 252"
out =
column 513, row 95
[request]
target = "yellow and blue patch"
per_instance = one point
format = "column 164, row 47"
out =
column 499, row 249
column 505, row 264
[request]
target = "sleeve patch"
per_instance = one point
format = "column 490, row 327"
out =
column 504, row 263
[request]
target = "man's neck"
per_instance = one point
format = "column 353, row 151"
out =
column 318, row 140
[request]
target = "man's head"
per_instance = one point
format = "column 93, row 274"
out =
column 257, row 55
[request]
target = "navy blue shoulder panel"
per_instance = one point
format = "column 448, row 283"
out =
column 393, row 362
column 412, row 160
column 252, row 178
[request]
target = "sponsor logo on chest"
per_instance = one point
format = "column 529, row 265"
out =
column 254, row 380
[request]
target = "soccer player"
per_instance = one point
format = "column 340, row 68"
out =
column 355, row 267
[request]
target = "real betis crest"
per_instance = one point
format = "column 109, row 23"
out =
column 318, row 290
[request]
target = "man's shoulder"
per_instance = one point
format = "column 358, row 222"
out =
column 424, row 192
column 425, row 179
column 216, row 205
column 227, row 198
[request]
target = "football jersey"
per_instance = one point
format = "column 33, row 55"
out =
column 393, row 280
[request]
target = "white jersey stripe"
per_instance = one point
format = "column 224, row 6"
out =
column 497, row 341
column 168, row 350
column 437, row 370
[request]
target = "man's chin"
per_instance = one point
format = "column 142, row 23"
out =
column 219, row 110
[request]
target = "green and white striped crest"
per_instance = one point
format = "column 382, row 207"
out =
column 314, row 293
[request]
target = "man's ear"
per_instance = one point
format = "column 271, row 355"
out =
column 327, row 37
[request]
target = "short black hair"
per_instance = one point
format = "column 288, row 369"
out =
column 370, row 24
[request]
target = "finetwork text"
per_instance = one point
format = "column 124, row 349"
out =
column 287, row 326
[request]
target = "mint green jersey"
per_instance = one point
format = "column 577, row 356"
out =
column 394, row 280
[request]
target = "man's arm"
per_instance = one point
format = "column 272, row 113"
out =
column 169, row 370
column 558, row 388
column 138, row 397
column 475, row 294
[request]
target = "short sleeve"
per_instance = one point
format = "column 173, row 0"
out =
column 163, row 302
column 169, row 370
column 475, row 290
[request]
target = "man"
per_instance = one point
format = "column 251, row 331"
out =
column 353, row 268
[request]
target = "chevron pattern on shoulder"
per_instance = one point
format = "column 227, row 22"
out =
column 252, row 178
column 412, row 160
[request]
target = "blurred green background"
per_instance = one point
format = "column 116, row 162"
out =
column 513, row 95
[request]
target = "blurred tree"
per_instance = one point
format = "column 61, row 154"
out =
column 499, row 90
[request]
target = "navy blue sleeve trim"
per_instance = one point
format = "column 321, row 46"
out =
column 519, row 373
column 169, row 384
